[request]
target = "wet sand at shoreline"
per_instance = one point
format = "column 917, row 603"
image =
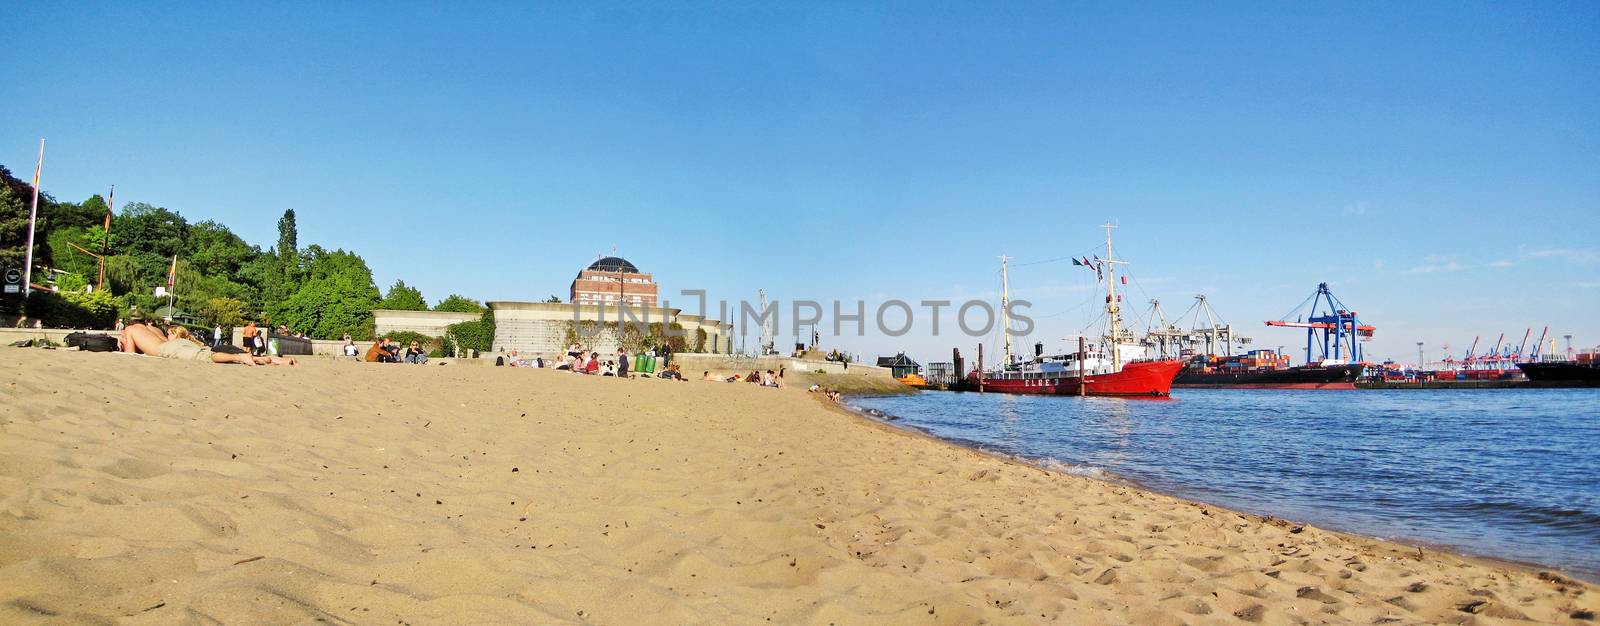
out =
column 140, row 490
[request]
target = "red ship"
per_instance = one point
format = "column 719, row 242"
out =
column 1114, row 369
column 1139, row 378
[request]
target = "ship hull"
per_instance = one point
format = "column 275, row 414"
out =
column 1147, row 378
column 1307, row 377
column 1561, row 374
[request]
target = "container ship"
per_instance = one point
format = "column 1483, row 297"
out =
column 1114, row 368
column 1584, row 371
column 1333, row 357
column 1266, row 369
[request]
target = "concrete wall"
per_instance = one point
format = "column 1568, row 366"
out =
column 541, row 328
column 430, row 323
column 9, row 336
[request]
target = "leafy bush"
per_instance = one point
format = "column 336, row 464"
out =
column 474, row 335
column 434, row 346
column 73, row 309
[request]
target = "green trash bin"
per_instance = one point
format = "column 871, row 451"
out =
column 649, row 364
column 638, row 363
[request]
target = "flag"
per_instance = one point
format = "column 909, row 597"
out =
column 1076, row 262
column 111, row 201
column 172, row 274
column 1124, row 280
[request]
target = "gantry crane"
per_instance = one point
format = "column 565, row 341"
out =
column 1339, row 327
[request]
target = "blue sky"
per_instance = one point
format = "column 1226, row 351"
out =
column 1437, row 163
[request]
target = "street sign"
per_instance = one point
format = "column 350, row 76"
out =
column 13, row 280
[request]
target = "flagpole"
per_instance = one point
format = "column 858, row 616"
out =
column 33, row 218
column 172, row 283
column 105, row 241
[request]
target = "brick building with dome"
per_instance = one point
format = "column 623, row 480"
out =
column 612, row 279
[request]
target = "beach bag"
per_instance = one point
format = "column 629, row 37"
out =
column 92, row 342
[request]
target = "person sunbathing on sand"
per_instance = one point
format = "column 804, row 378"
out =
column 146, row 339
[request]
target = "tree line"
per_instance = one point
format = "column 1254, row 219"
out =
column 221, row 279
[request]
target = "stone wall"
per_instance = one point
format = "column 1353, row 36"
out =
column 540, row 328
column 430, row 323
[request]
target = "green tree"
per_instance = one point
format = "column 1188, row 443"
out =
column 226, row 312
column 336, row 297
column 402, row 297
column 288, row 234
column 553, row 300
column 459, row 304
column 15, row 196
column 71, row 259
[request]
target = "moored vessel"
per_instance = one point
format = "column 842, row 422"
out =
column 1584, row 371
column 1114, row 368
column 1266, row 369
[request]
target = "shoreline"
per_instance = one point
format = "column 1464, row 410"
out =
column 1112, row 478
column 144, row 490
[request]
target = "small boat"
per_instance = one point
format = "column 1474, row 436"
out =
column 913, row 380
column 1116, row 367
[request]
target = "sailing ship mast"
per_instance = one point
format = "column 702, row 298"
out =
column 1005, row 309
column 1113, row 310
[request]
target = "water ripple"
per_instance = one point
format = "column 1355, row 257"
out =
column 1506, row 473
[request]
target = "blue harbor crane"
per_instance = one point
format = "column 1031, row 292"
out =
column 1338, row 326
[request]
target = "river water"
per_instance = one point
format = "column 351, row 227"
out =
column 1507, row 473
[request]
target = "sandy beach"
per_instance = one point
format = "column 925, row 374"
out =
column 147, row 491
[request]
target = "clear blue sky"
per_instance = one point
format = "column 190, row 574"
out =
column 1437, row 163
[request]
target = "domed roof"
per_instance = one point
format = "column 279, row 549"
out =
column 613, row 264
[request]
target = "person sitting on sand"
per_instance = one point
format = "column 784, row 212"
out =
column 350, row 348
column 139, row 338
column 593, row 366
column 561, row 363
column 754, row 377
column 415, row 355
column 379, row 352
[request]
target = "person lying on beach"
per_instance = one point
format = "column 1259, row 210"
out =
column 707, row 376
column 145, row 339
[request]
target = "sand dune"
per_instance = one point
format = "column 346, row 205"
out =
column 143, row 491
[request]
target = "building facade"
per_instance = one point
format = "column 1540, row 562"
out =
column 611, row 280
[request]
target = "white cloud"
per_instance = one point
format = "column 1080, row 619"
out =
column 1589, row 284
column 1357, row 209
column 1581, row 256
column 1501, row 263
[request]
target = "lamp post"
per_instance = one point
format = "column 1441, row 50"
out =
column 1419, row 355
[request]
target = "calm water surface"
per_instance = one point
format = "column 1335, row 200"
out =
column 1506, row 473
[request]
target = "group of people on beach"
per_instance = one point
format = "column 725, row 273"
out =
column 176, row 342
column 386, row 350
column 580, row 361
column 768, row 378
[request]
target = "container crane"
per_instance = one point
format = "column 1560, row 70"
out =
column 1340, row 328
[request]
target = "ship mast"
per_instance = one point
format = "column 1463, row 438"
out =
column 1005, row 309
column 1113, row 310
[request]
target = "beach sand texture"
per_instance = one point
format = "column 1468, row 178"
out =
column 147, row 491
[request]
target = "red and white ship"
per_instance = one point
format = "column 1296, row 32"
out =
column 1117, row 367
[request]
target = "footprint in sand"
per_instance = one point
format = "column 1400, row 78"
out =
column 135, row 469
